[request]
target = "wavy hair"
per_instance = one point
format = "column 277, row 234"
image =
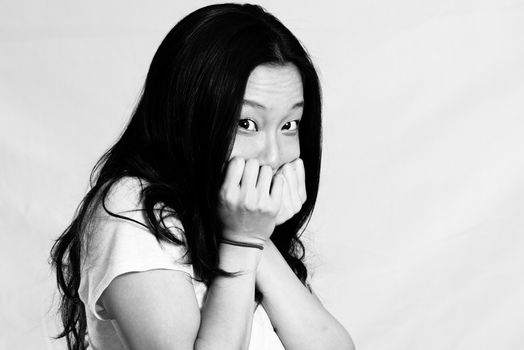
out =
column 179, row 139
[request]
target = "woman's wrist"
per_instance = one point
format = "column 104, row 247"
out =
column 241, row 243
column 233, row 258
column 244, row 237
column 270, row 261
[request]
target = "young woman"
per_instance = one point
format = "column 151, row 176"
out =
column 189, row 236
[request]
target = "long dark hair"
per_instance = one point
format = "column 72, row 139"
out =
column 180, row 137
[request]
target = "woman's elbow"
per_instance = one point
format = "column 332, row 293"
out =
column 342, row 340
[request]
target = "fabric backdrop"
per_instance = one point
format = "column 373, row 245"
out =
column 417, row 239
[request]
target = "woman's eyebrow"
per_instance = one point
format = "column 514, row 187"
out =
column 255, row 104
column 298, row 105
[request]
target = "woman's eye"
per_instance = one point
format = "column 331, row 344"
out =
column 247, row 124
column 291, row 126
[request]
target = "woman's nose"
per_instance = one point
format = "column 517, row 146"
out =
column 270, row 153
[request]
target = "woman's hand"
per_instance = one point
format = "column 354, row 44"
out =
column 249, row 201
column 294, row 192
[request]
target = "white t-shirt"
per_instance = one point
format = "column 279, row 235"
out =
column 116, row 246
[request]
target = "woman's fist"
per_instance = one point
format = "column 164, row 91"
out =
column 294, row 191
column 249, row 201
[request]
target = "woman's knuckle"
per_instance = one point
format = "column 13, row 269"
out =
column 271, row 210
column 303, row 195
column 249, row 203
column 266, row 168
column 238, row 161
column 226, row 196
column 222, row 194
column 252, row 162
column 265, row 207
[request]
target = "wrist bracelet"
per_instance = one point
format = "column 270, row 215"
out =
column 241, row 244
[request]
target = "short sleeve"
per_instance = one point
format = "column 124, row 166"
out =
column 114, row 246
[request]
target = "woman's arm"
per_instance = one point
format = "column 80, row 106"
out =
column 153, row 311
column 298, row 317
column 157, row 309
column 227, row 314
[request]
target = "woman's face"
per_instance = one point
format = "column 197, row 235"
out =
column 270, row 115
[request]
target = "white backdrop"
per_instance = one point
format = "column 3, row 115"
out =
column 417, row 240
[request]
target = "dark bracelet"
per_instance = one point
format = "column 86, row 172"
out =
column 241, row 244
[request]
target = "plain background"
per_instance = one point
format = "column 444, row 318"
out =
column 417, row 239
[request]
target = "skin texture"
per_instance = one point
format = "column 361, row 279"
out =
column 268, row 136
column 264, row 186
column 265, row 183
column 275, row 90
column 267, row 143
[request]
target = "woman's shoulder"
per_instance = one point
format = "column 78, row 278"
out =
column 120, row 220
column 119, row 241
column 123, row 200
column 124, row 195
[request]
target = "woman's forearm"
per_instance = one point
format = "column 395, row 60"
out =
column 298, row 317
column 227, row 313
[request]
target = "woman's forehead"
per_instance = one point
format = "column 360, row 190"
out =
column 274, row 86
